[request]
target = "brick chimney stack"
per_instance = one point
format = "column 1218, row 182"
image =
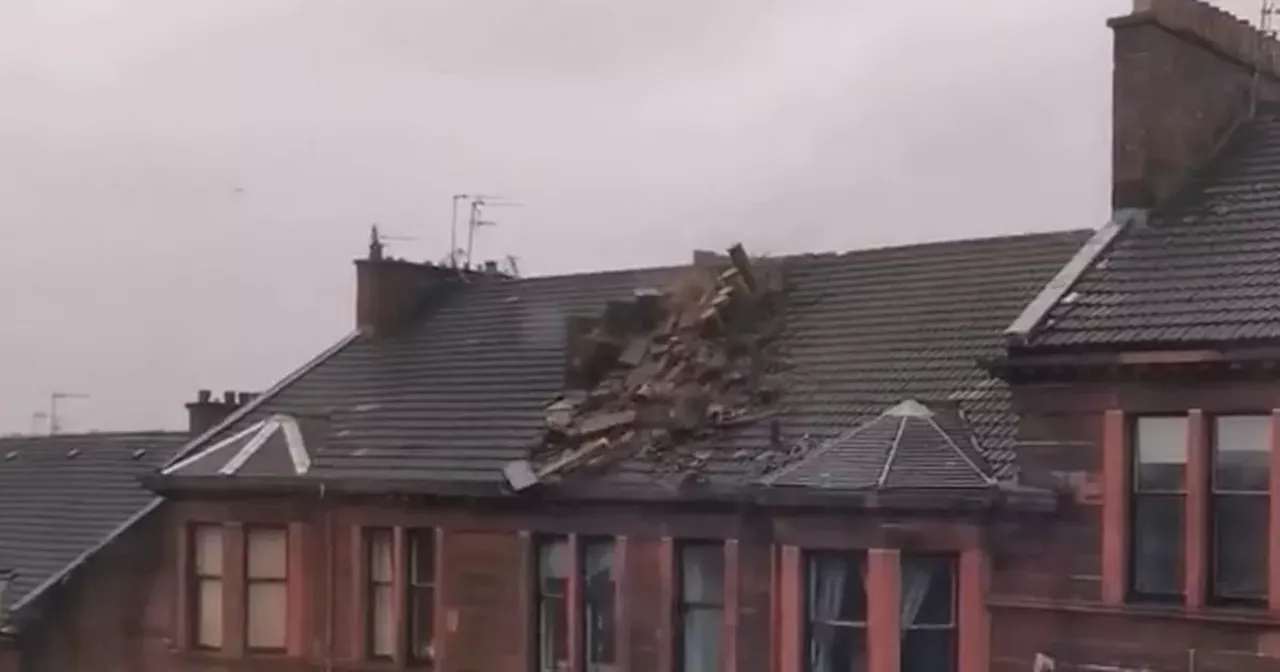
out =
column 206, row 411
column 1182, row 82
column 391, row 292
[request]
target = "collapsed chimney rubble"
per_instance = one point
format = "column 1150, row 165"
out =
column 657, row 377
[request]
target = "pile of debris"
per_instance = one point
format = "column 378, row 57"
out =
column 659, row 376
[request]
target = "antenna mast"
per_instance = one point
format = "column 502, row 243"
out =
column 54, row 425
column 1266, row 33
column 475, row 206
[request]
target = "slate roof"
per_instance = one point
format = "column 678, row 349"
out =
column 463, row 391
column 63, row 495
column 907, row 446
column 1205, row 268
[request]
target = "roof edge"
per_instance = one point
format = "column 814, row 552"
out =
column 85, row 556
column 1022, row 328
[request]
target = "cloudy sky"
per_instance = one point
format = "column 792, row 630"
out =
column 183, row 183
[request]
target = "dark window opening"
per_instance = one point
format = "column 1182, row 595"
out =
column 836, row 612
column 1157, row 503
column 552, row 615
column 700, row 612
column 1240, row 509
column 927, row 607
column 598, row 592
column 422, row 594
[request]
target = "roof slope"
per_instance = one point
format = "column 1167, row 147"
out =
column 63, row 495
column 464, row 390
column 1205, row 268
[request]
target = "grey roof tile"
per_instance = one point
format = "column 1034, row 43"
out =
column 462, row 392
column 59, row 504
column 1205, row 268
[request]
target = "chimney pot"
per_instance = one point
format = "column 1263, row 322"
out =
column 490, row 267
column 203, row 396
column 229, row 397
column 244, row 398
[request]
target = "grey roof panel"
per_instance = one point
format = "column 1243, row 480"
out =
column 59, row 505
column 462, row 392
column 1204, row 268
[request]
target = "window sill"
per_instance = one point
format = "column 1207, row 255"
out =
column 1212, row 614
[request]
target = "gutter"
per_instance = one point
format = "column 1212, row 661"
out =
column 921, row 499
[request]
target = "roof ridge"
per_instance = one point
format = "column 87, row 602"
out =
column 986, row 477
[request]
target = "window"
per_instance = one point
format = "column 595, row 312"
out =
column 422, row 594
column 553, row 612
column 266, row 588
column 928, row 613
column 701, row 607
column 1240, row 503
column 1159, row 489
column 381, row 637
column 597, row 603
column 206, row 589
column 836, row 612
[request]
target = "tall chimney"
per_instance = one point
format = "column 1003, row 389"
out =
column 1183, row 81
column 391, row 292
column 207, row 411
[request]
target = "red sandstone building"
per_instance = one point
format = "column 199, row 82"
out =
column 1053, row 450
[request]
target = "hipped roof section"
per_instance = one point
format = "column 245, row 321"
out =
column 907, row 446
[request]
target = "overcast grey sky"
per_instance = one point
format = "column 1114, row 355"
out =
column 183, row 183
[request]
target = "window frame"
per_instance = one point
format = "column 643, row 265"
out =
column 1135, row 494
column 539, row 660
column 952, row 626
column 372, row 536
column 862, row 627
column 196, row 579
column 683, row 607
column 414, row 587
column 585, row 606
column 250, row 581
column 1215, row 497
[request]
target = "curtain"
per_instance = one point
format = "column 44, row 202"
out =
column 916, row 580
column 827, row 578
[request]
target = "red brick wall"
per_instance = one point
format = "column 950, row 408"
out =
column 1047, row 588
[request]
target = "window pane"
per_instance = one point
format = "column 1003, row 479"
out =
column 836, row 648
column 700, row 640
column 1241, row 452
column 266, row 623
column 598, row 595
column 1157, row 544
column 553, row 564
column 837, row 588
column 1160, row 453
column 553, row 628
column 382, row 636
column 553, row 634
column 928, row 651
column 381, row 564
column 267, row 553
column 207, row 545
column 1240, row 546
column 702, row 574
column 422, row 605
column 422, row 557
column 927, row 590
column 209, row 613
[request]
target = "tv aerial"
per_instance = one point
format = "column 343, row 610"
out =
column 475, row 204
